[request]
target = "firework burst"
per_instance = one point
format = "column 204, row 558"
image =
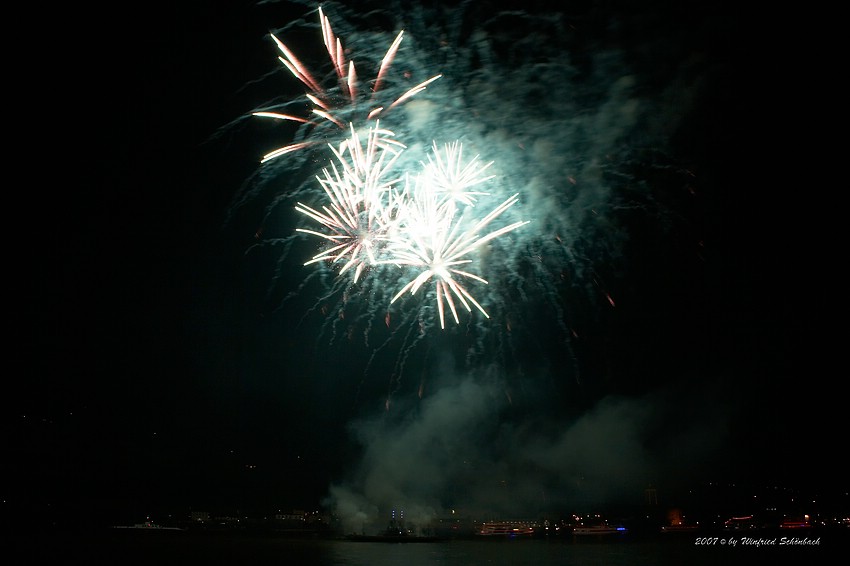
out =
column 433, row 240
column 360, row 204
column 380, row 218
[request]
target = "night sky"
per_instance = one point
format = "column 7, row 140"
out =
column 155, row 368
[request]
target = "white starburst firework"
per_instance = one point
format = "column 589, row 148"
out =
column 433, row 240
column 361, row 203
column 448, row 175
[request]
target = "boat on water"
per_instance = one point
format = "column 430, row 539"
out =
column 148, row 526
column 600, row 529
column 795, row 523
column 507, row 529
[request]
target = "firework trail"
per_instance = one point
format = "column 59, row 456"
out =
column 323, row 104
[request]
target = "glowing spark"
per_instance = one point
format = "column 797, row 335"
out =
column 387, row 61
column 295, row 67
column 414, row 91
column 287, row 149
column 280, row 116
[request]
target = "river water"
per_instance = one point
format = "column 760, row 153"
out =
column 212, row 549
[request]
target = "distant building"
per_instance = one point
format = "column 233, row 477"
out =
column 296, row 516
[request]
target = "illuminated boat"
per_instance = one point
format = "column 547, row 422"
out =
column 796, row 523
column 506, row 529
column 148, row 526
column 602, row 528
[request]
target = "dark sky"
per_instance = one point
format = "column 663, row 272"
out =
column 153, row 373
